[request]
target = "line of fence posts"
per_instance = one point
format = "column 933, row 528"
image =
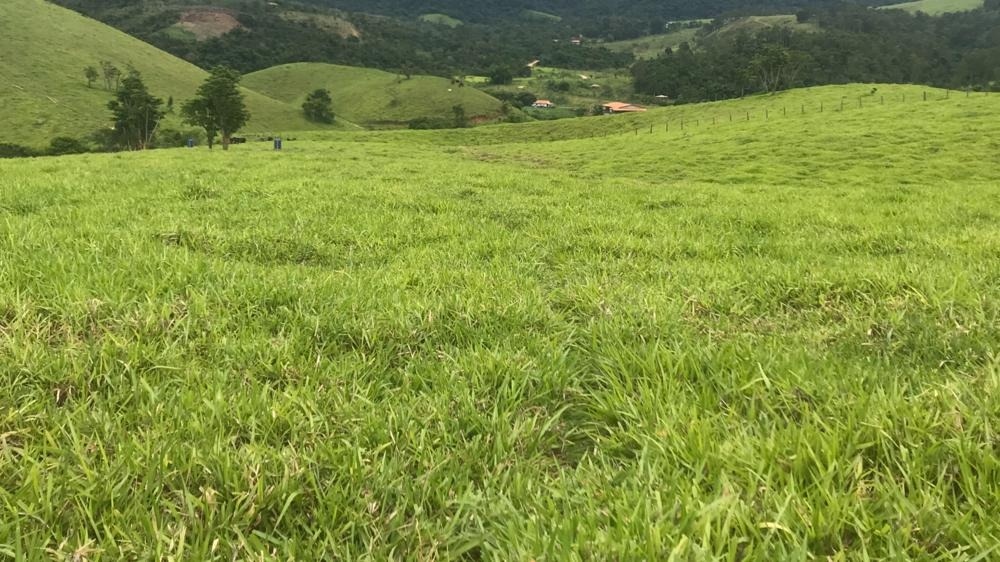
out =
column 784, row 111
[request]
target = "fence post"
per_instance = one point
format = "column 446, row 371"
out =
column 650, row 128
column 765, row 115
column 925, row 96
column 859, row 102
column 842, row 104
column 637, row 131
column 821, row 107
column 730, row 116
column 748, row 116
column 784, row 111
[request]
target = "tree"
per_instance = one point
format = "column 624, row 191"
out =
column 112, row 76
column 458, row 111
column 318, row 106
column 777, row 67
column 60, row 146
column 218, row 107
column 500, row 75
column 137, row 113
column 91, row 74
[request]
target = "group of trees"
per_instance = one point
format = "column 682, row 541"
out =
column 853, row 44
column 112, row 76
column 218, row 108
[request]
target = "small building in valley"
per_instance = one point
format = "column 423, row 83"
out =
column 621, row 107
column 543, row 104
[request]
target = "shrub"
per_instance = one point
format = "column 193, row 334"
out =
column 60, row 146
column 16, row 151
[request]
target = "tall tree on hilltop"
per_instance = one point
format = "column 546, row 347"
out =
column 137, row 113
column 218, row 107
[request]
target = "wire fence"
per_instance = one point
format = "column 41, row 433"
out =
column 773, row 111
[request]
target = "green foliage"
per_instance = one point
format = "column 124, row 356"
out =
column 91, row 74
column 136, row 113
column 460, row 119
column 849, row 44
column 60, row 146
column 501, row 75
column 112, row 76
column 318, row 106
column 8, row 150
column 218, row 106
column 758, row 341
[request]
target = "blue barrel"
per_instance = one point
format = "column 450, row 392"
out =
column 190, row 143
column 277, row 143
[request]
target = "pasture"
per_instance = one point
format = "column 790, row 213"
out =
column 740, row 340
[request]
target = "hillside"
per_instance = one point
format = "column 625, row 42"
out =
column 373, row 97
column 937, row 7
column 44, row 91
column 757, row 339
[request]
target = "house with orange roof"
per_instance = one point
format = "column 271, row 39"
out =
column 621, row 107
column 543, row 104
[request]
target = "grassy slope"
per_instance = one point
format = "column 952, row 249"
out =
column 652, row 46
column 43, row 89
column 371, row 97
column 759, row 341
column 935, row 7
column 441, row 19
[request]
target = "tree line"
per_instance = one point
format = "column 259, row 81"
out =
column 852, row 44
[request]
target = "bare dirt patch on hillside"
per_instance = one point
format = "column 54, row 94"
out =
column 208, row 23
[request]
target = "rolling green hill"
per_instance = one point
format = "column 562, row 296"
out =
column 936, row 7
column 45, row 94
column 372, row 97
column 766, row 338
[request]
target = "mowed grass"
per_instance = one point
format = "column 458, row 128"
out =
column 373, row 97
column 937, row 7
column 44, row 93
column 766, row 341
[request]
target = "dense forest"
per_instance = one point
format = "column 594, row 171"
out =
column 853, row 44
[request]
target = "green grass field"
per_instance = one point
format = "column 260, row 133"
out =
column 750, row 340
column 441, row 19
column 652, row 46
column 937, row 7
column 43, row 88
column 372, row 97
